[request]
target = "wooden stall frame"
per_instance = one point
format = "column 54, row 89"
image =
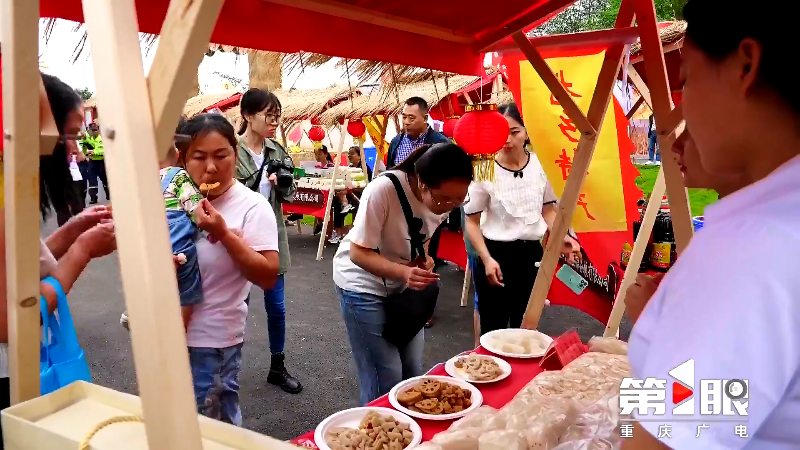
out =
column 332, row 191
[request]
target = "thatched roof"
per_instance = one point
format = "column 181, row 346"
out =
column 390, row 102
column 300, row 104
column 669, row 35
column 198, row 103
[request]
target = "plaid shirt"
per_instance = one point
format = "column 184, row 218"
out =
column 408, row 145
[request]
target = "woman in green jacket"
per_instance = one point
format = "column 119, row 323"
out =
column 261, row 112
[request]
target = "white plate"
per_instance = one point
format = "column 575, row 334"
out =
column 477, row 397
column 544, row 339
column 450, row 368
column 351, row 418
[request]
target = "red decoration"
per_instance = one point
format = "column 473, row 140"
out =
column 315, row 121
column 564, row 349
column 482, row 130
column 316, row 134
column 341, row 120
column 449, row 126
column 357, row 128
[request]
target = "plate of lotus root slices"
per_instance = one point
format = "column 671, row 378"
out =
column 368, row 428
column 476, row 368
column 435, row 398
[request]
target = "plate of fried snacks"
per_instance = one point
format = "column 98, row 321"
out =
column 368, row 428
column 476, row 368
column 435, row 398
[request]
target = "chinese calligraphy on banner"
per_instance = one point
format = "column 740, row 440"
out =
column 601, row 205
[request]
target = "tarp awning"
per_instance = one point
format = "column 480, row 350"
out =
column 445, row 35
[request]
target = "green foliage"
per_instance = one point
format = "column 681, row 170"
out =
column 587, row 15
column 698, row 198
column 85, row 93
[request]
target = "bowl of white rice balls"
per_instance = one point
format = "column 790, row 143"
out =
column 516, row 343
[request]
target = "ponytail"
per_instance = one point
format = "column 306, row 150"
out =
column 435, row 164
column 242, row 127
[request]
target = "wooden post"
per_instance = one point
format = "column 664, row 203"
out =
column 181, row 47
column 639, row 247
column 635, row 108
column 465, row 286
column 662, row 107
column 580, row 164
column 638, row 82
column 21, row 153
column 363, row 158
column 148, row 273
column 331, row 192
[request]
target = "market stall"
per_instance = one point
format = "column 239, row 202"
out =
column 139, row 117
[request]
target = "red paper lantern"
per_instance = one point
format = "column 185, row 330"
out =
column 482, row 132
column 449, row 126
column 316, row 134
column 315, row 121
column 356, row 129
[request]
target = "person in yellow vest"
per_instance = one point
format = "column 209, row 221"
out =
column 92, row 145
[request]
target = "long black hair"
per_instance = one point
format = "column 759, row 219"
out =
column 511, row 110
column 201, row 125
column 717, row 27
column 435, row 164
column 324, row 149
column 254, row 101
column 55, row 179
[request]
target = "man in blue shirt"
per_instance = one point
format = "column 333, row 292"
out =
column 416, row 132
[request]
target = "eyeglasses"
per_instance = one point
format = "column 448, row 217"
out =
column 272, row 117
column 444, row 203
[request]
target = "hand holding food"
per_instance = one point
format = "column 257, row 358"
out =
column 206, row 188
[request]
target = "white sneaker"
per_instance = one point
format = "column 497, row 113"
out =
column 546, row 302
column 347, row 208
column 334, row 239
column 123, row 320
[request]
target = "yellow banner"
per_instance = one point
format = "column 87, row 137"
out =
column 376, row 134
column 601, row 206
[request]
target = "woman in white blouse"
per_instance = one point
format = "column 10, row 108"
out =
column 506, row 219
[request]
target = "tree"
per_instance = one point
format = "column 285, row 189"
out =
column 85, row 93
column 587, row 15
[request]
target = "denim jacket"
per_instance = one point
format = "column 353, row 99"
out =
column 245, row 172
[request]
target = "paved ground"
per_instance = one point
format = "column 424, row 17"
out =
column 317, row 348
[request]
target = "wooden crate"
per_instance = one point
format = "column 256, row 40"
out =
column 60, row 420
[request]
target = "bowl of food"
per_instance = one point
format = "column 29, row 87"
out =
column 475, row 368
column 368, row 427
column 516, row 343
column 435, row 398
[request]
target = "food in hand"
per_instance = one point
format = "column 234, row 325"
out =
column 205, row 188
column 181, row 258
column 435, row 398
column 375, row 432
column 478, row 367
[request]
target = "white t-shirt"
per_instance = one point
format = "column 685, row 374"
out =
column 512, row 204
column 732, row 303
column 380, row 224
column 219, row 320
column 265, row 186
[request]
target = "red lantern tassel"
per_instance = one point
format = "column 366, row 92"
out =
column 483, row 167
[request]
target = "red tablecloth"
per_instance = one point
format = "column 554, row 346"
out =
column 495, row 395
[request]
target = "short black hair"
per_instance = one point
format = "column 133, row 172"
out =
column 717, row 27
column 254, row 101
column 203, row 124
column 435, row 164
column 55, row 179
column 418, row 101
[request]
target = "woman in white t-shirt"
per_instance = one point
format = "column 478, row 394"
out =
column 237, row 248
column 374, row 260
column 506, row 219
column 728, row 311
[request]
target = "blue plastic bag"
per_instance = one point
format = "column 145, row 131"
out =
column 61, row 358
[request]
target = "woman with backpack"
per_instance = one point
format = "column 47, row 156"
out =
column 382, row 272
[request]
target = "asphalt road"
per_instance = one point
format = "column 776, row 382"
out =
column 317, row 349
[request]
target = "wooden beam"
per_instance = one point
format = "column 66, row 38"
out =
column 555, row 86
column 677, row 45
column 466, row 285
column 660, row 94
column 598, row 38
column 359, row 14
column 638, row 82
column 639, row 247
column 540, row 11
column 183, row 42
column 635, row 107
column 329, row 201
column 21, row 185
column 580, row 164
column 48, row 130
column 672, row 121
column 148, row 273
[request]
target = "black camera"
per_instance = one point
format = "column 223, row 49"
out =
column 283, row 170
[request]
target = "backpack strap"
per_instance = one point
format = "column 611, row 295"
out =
column 414, row 224
column 171, row 172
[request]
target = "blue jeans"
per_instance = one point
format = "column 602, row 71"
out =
column 215, row 373
column 182, row 232
column 276, row 315
column 380, row 364
column 472, row 263
column 653, row 148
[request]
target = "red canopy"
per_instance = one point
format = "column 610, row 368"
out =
column 447, row 35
